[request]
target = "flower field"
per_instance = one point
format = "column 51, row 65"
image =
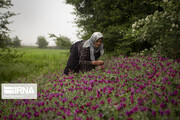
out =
column 130, row 88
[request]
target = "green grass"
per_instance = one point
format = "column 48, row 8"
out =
column 34, row 61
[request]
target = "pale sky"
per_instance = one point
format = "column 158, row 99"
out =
column 41, row 17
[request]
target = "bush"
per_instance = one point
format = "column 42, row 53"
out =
column 160, row 29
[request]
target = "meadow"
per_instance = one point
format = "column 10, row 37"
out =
column 33, row 62
column 129, row 88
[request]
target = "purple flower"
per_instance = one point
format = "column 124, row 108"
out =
column 64, row 100
column 163, row 88
column 36, row 114
column 68, row 113
column 132, row 101
column 167, row 112
column 63, row 117
column 100, row 114
column 102, row 102
column 89, row 118
column 161, row 112
column 154, row 101
column 58, row 113
column 71, row 104
column 118, row 108
column 135, row 109
column 175, row 93
column 154, row 113
column 163, row 105
column 128, row 113
column 174, row 102
column 88, row 104
column 112, row 118
column 91, row 98
column 78, row 118
column 84, row 111
column 75, row 98
column 109, row 100
column 95, row 107
column 78, row 110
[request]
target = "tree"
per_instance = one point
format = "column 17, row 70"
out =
column 41, row 41
column 16, row 41
column 6, row 53
column 4, row 31
column 111, row 17
column 160, row 29
column 61, row 41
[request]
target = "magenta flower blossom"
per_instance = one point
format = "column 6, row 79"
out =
column 95, row 107
column 84, row 111
column 163, row 105
column 78, row 118
column 119, row 107
column 153, row 113
column 64, row 100
column 88, row 104
column 68, row 113
column 91, row 98
column 100, row 114
column 58, row 113
column 154, row 101
column 89, row 118
column 174, row 102
column 36, row 114
column 161, row 112
column 102, row 102
column 109, row 100
column 175, row 93
column 63, row 117
column 128, row 113
column 78, row 110
column 132, row 101
column 135, row 109
column 167, row 112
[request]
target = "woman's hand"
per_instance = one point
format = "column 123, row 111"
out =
column 98, row 62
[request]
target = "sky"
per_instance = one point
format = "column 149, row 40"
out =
column 41, row 17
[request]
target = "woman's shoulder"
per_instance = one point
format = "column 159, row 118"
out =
column 80, row 45
column 82, row 49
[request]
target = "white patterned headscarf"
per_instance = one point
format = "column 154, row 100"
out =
column 90, row 43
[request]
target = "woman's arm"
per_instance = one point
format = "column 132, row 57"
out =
column 84, row 60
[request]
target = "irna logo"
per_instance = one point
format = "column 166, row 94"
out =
column 19, row 91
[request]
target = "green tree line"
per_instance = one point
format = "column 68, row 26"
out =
column 114, row 18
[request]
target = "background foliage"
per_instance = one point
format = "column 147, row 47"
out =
column 111, row 17
column 6, row 54
column 115, row 18
column 42, row 42
column 160, row 30
column 62, row 42
column 16, row 41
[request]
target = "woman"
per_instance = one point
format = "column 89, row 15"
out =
column 84, row 54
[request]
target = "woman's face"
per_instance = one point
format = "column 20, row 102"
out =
column 98, row 43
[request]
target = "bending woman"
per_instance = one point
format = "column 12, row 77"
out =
column 84, row 54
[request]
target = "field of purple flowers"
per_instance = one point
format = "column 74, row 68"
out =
column 130, row 88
